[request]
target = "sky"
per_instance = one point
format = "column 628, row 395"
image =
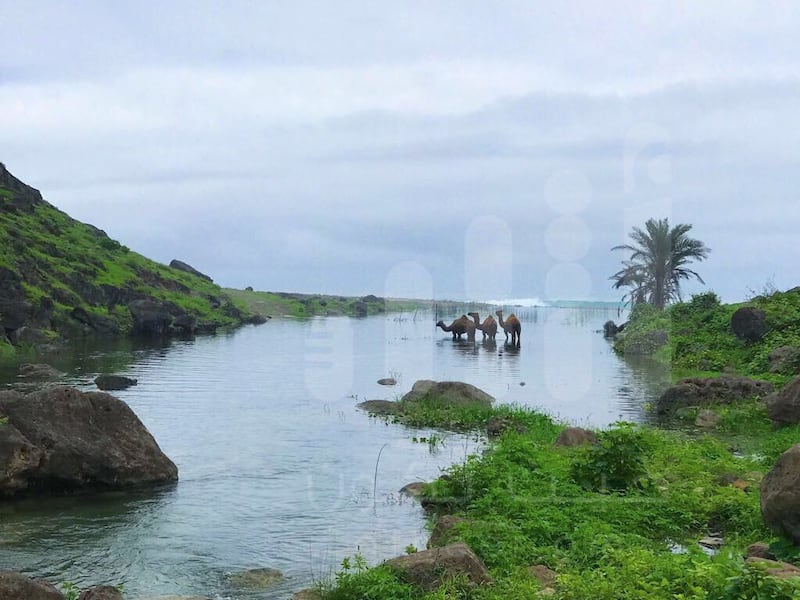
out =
column 452, row 149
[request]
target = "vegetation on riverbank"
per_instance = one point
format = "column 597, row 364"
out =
column 291, row 304
column 644, row 512
column 696, row 337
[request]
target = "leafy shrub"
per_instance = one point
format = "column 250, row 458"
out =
column 615, row 462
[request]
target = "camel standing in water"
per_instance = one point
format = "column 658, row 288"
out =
column 511, row 325
column 459, row 327
column 489, row 326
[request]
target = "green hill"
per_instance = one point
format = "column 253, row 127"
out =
column 61, row 279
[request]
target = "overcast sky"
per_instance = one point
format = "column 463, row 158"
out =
column 479, row 150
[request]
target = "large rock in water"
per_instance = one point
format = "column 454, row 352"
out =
column 15, row 586
column 783, row 408
column 704, row 391
column 448, row 393
column 749, row 324
column 150, row 317
column 430, row 568
column 61, row 439
column 780, row 495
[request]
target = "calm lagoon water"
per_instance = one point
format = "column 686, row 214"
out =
column 277, row 466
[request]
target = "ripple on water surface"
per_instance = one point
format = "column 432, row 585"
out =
column 277, row 467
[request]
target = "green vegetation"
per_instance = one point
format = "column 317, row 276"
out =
column 618, row 519
column 698, row 338
column 658, row 261
column 290, row 304
column 59, row 265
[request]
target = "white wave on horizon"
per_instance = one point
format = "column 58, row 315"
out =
column 526, row 302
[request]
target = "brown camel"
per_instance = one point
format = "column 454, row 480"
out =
column 489, row 326
column 511, row 325
column 459, row 327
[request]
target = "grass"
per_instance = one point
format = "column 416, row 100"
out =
column 621, row 518
column 607, row 518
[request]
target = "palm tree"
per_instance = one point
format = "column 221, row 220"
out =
column 658, row 262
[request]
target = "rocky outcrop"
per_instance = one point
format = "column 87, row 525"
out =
column 61, row 439
column 448, row 393
column 610, row 329
column 150, row 317
column 780, row 495
column 749, row 324
column 15, row 586
column 430, row 568
column 575, row 436
column 114, row 382
column 186, row 268
column 783, row 408
column 704, row 391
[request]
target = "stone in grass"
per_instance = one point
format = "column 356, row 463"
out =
column 773, row 568
column 544, row 575
column 448, row 393
column 444, row 530
column 707, row 419
column 256, row 578
column 575, row 436
column 429, row 569
column 307, row 594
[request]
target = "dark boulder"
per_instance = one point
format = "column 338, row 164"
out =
column 150, row 317
column 15, row 586
column 257, row 319
column 705, row 391
column 182, row 266
column 114, row 382
column 184, row 324
column 15, row 313
column 76, row 440
column 97, row 323
column 610, row 329
column 387, row 381
column 448, row 393
column 783, row 408
column 749, row 324
column 780, row 495
column 429, row 569
column 413, row 489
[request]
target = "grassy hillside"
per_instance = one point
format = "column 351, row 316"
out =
column 63, row 278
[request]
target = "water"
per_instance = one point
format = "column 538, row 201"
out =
column 277, row 467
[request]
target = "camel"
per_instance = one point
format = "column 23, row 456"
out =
column 511, row 325
column 489, row 326
column 459, row 327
